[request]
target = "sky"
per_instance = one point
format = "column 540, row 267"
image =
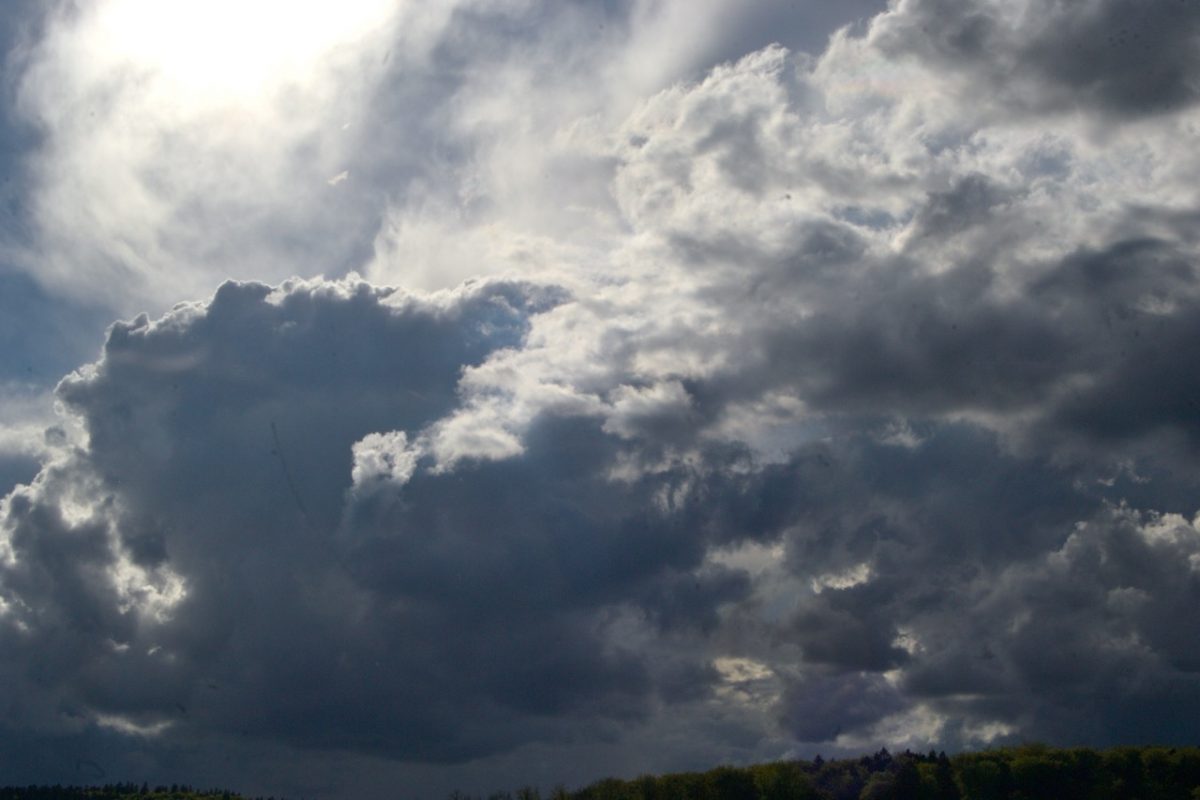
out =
column 398, row 397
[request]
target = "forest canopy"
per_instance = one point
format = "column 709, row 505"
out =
column 1028, row 772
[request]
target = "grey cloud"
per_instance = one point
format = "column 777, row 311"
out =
column 1018, row 616
column 1102, row 631
column 1151, row 393
column 1119, row 57
column 202, row 427
column 982, row 598
column 1113, row 281
column 822, row 708
column 845, row 638
column 925, row 344
column 968, row 203
column 694, row 599
column 173, row 402
column 203, row 563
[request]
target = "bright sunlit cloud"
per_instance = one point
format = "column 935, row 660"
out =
column 235, row 49
column 176, row 134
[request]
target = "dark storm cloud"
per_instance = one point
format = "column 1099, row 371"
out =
column 1017, row 616
column 1122, row 58
column 966, row 204
column 1152, row 392
column 841, row 630
column 1109, row 663
column 925, row 344
column 167, row 395
column 929, row 343
column 1140, row 299
column 204, row 564
column 229, row 426
column 822, row 708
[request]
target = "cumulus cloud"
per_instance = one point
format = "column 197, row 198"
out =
column 448, row 610
column 811, row 400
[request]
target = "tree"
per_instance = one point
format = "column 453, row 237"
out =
column 784, row 780
column 908, row 781
column 881, row 786
column 944, row 782
column 729, row 783
column 984, row 777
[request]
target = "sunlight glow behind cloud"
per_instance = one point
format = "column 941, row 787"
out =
column 224, row 49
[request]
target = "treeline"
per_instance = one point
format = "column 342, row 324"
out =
column 1029, row 772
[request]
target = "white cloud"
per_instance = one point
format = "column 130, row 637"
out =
column 846, row 579
column 383, row 456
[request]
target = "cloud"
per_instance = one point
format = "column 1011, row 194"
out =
column 820, row 709
column 1112, row 584
column 1111, row 56
column 794, row 401
column 154, row 172
column 157, row 168
column 448, row 610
